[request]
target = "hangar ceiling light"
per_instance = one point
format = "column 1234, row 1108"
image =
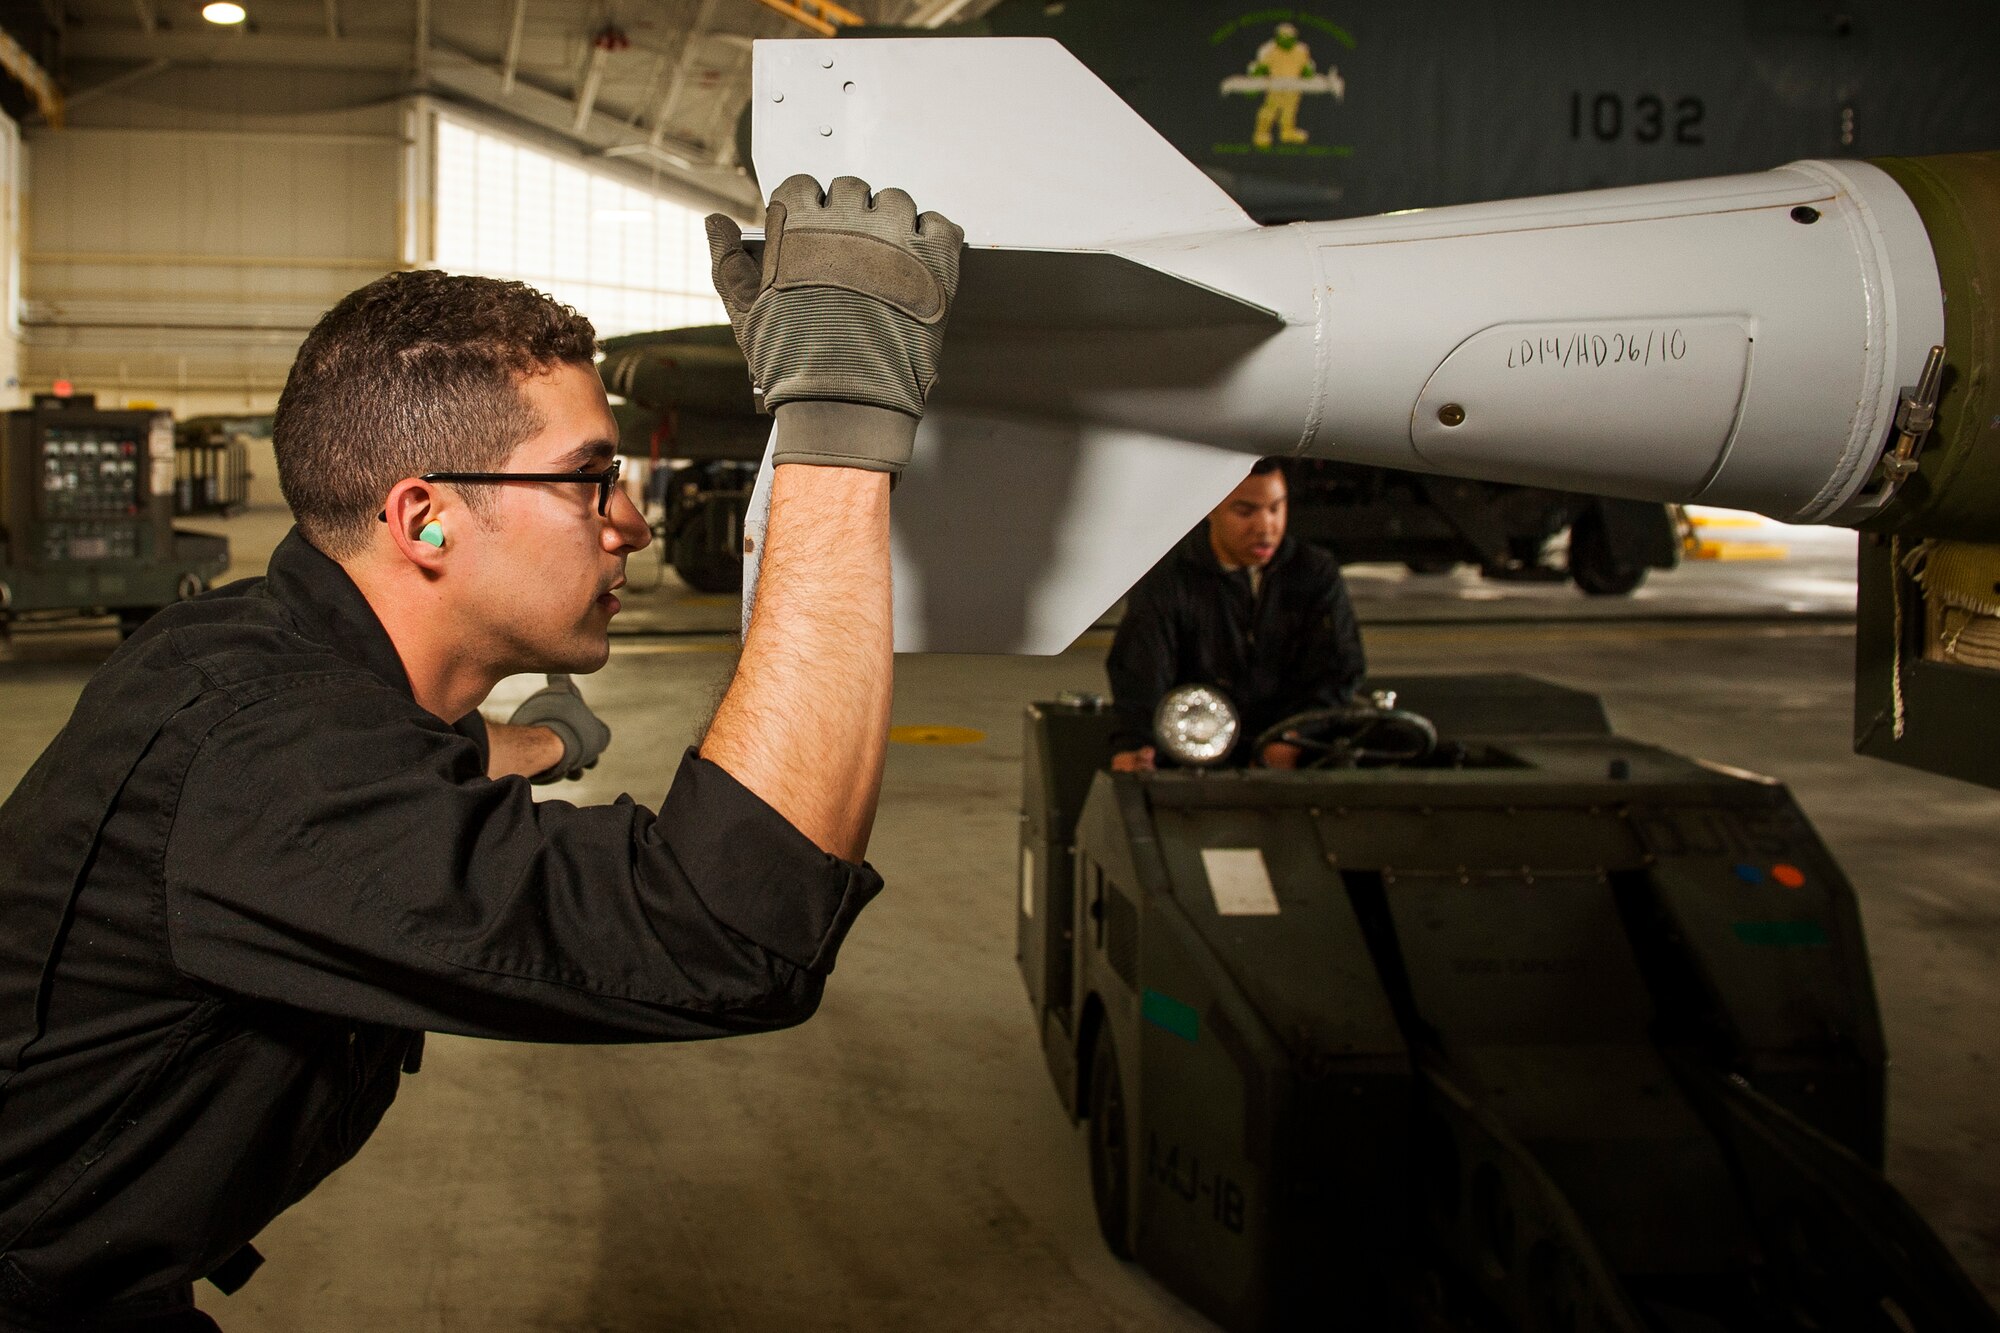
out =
column 222, row 12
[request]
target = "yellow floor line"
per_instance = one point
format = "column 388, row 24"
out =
column 1706, row 550
column 1702, row 521
column 934, row 734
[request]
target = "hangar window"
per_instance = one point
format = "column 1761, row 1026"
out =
column 628, row 259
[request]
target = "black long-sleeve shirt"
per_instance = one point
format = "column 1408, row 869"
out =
column 251, row 871
column 1289, row 645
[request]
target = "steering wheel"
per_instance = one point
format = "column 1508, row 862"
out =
column 1353, row 734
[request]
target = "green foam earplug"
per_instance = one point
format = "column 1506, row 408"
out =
column 432, row 532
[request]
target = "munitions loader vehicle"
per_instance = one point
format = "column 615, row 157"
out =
column 1494, row 1020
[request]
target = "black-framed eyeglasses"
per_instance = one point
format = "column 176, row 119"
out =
column 604, row 481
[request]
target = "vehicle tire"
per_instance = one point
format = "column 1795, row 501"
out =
column 708, row 548
column 1110, row 1147
column 1434, row 566
column 1595, row 567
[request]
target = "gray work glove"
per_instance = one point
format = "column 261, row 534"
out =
column 843, row 321
column 560, row 707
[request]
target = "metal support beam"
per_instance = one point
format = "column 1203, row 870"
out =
column 645, row 97
column 513, row 61
column 822, row 16
column 116, row 81
column 937, row 13
column 266, row 137
column 664, row 116
column 423, row 40
column 593, row 76
column 153, row 259
column 204, row 44
column 418, row 223
column 688, row 160
column 30, row 75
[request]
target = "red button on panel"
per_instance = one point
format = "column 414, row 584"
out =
column 1788, row 875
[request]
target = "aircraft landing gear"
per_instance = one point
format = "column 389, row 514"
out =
column 702, row 523
column 1595, row 563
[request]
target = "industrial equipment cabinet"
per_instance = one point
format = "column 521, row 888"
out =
column 86, row 500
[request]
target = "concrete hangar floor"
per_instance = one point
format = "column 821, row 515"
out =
column 901, row 1161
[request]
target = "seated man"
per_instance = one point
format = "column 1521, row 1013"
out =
column 1240, row 606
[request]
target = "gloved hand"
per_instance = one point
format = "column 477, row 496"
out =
column 560, row 707
column 843, row 322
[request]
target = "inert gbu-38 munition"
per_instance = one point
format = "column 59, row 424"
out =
column 1126, row 337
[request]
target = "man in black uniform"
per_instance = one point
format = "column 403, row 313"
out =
column 274, row 845
column 1240, row 606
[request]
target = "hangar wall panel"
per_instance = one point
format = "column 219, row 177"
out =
column 182, row 234
column 186, row 229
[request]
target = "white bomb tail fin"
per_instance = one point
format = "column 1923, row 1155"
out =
column 1013, row 535
column 1011, row 138
column 1020, row 520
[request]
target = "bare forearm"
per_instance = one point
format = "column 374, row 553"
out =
column 805, row 722
column 520, row 751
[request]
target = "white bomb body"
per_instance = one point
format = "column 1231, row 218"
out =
column 1125, row 338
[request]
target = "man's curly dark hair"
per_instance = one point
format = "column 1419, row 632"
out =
column 416, row 372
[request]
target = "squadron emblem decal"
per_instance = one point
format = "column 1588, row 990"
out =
column 1285, row 72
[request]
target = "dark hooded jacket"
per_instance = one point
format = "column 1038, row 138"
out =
column 1291, row 645
column 252, row 871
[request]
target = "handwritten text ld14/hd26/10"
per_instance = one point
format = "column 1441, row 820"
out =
column 1636, row 348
